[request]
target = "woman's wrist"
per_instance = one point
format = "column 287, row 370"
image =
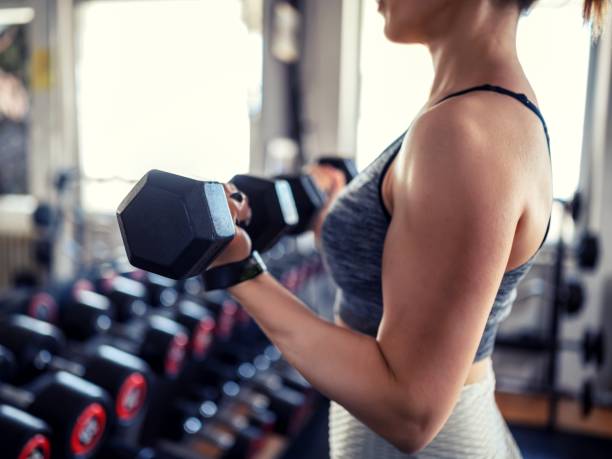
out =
column 246, row 288
column 226, row 276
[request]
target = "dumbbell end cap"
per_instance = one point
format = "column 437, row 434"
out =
column 174, row 226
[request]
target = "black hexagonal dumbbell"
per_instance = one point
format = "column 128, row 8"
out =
column 40, row 347
column 273, row 206
column 159, row 341
column 197, row 319
column 199, row 323
column 39, row 304
column 22, row 435
column 82, row 312
column 161, row 291
column 174, row 226
column 70, row 306
column 309, row 200
column 573, row 295
column 76, row 410
column 128, row 298
column 588, row 250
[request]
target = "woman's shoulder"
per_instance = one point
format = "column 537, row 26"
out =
column 480, row 129
column 479, row 147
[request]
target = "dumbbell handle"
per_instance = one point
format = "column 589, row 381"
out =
column 56, row 363
column 16, row 397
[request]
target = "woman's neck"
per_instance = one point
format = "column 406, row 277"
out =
column 478, row 46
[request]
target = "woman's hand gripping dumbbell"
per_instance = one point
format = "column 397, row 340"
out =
column 180, row 227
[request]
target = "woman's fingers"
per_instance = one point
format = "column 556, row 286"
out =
column 240, row 246
column 237, row 250
column 337, row 180
column 329, row 179
column 238, row 203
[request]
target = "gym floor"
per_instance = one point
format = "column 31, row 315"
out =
column 577, row 438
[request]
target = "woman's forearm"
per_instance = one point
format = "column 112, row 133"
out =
column 348, row 367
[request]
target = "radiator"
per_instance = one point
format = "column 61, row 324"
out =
column 16, row 237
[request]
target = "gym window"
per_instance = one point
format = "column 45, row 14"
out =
column 164, row 84
column 395, row 81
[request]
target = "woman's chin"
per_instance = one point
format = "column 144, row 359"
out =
column 399, row 36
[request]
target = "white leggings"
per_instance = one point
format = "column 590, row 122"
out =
column 475, row 430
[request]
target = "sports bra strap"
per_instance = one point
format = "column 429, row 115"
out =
column 522, row 98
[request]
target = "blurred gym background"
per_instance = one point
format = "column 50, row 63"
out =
column 94, row 93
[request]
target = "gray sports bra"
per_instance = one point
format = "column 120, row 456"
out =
column 354, row 232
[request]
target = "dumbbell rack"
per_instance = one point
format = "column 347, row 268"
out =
column 552, row 373
column 551, row 344
column 297, row 269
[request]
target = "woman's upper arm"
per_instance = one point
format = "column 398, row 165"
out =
column 445, row 253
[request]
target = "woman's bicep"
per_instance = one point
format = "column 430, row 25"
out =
column 445, row 253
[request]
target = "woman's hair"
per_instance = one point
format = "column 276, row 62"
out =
column 593, row 11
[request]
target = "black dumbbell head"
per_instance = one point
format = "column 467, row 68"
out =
column 65, row 292
column 37, row 304
column 76, row 410
column 161, row 290
column 309, row 200
column 576, row 206
column 346, row 165
column 200, row 324
column 165, row 346
column 224, row 310
column 128, row 297
column 124, row 377
column 273, row 206
column 27, row 338
column 87, row 314
column 174, row 226
column 22, row 436
column 573, row 296
column 588, row 251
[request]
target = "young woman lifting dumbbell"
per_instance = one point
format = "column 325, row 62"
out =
column 426, row 245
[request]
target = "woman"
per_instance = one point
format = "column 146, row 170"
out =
column 427, row 246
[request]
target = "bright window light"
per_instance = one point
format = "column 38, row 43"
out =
column 162, row 84
column 553, row 47
column 12, row 16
